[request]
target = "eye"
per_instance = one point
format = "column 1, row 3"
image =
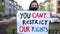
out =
column 32, row 5
column 35, row 5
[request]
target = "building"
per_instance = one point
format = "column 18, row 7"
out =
column 55, row 7
column 10, row 7
column 58, row 7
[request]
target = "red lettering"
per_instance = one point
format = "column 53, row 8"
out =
column 24, row 29
column 42, row 15
column 34, row 15
column 39, row 15
column 21, row 29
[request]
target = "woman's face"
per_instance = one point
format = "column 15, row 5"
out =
column 34, row 4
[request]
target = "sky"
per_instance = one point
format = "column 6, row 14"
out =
column 25, row 3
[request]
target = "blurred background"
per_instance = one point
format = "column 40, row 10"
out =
column 9, row 8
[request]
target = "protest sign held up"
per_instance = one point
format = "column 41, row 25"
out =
column 33, row 22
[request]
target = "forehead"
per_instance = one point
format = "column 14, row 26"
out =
column 34, row 3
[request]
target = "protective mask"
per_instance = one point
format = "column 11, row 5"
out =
column 34, row 8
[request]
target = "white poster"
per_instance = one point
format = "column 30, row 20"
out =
column 33, row 22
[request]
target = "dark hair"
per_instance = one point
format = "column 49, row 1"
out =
column 33, row 2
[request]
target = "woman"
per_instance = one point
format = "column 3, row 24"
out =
column 34, row 6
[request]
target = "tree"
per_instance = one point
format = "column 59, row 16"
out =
column 48, row 0
column 1, row 5
column 49, row 9
column 1, row 8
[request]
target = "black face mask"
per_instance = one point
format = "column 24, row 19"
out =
column 34, row 8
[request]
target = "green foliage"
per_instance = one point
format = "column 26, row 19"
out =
column 1, row 25
column 51, row 27
column 54, row 27
column 10, row 30
column 43, row 8
column 5, row 16
column 49, row 8
column 48, row 0
column 1, row 8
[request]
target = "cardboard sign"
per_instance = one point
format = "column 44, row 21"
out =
column 33, row 22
